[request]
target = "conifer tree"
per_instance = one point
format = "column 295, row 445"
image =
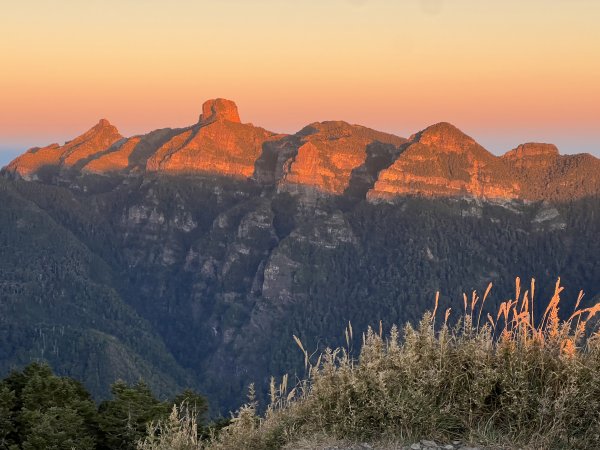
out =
column 123, row 419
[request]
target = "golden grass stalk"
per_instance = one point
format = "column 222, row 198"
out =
column 511, row 381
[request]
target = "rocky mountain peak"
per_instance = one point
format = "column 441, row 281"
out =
column 327, row 153
column 323, row 158
column 219, row 145
column 103, row 123
column 93, row 142
column 443, row 161
column 547, row 175
column 331, row 129
column 219, row 109
column 444, row 136
column 100, row 132
column 532, row 149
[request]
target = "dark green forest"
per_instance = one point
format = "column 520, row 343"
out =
column 39, row 410
column 192, row 282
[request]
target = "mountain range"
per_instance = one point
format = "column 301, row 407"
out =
column 331, row 157
column 190, row 257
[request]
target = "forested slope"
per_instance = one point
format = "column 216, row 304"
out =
column 202, row 281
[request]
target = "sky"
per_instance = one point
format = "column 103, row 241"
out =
column 505, row 72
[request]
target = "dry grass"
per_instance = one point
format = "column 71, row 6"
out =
column 178, row 432
column 503, row 380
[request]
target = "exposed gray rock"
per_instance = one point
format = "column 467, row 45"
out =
column 328, row 232
column 278, row 277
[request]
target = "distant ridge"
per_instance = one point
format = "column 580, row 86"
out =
column 324, row 158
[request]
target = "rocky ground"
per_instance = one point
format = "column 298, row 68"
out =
column 421, row 445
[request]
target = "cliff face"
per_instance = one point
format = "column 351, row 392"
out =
column 443, row 161
column 220, row 147
column 219, row 109
column 219, row 144
column 323, row 159
column 327, row 154
column 163, row 276
column 112, row 271
column 95, row 141
column 532, row 155
column 115, row 161
column 547, row 175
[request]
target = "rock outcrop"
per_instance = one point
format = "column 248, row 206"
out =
column 443, row 161
column 327, row 154
column 544, row 174
column 114, row 161
column 321, row 160
column 130, row 155
column 95, row 141
column 219, row 109
column 530, row 152
column 219, row 144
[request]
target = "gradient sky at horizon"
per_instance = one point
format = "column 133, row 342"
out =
column 504, row 72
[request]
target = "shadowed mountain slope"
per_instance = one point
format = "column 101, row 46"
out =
column 60, row 299
column 544, row 174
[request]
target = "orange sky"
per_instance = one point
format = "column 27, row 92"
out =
column 504, row 72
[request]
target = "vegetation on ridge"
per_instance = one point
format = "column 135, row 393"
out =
column 505, row 379
column 40, row 411
column 110, row 282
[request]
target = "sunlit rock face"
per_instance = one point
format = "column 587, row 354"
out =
column 525, row 155
column 327, row 154
column 93, row 142
column 219, row 109
column 220, row 144
column 114, row 161
column 331, row 158
column 443, row 161
column 129, row 155
column 29, row 163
